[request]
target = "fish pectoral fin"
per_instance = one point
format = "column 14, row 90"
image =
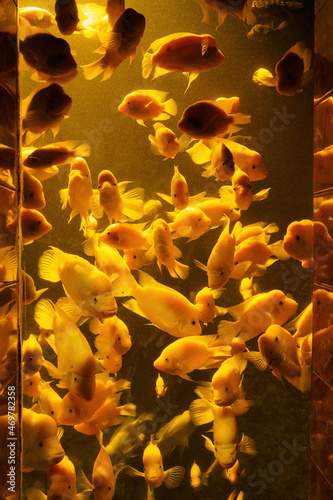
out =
column 205, row 393
column 240, row 269
column 257, row 359
column 83, row 481
column 201, row 412
column 141, row 122
column 69, row 307
column 261, row 195
column 200, row 265
column 35, row 494
column 165, row 197
column 204, row 45
column 291, row 369
column 208, row 443
column 174, row 476
column 191, row 78
column 53, row 371
column 240, row 406
column 130, row 471
column 247, row 445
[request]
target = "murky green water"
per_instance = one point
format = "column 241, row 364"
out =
column 278, row 419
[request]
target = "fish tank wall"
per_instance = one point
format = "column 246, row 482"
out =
column 272, row 459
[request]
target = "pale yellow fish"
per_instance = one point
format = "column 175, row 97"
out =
column 111, row 332
column 248, row 160
column 32, row 355
column 37, row 17
column 154, row 472
column 187, row 354
column 76, row 364
column 61, row 479
column 107, row 259
column 49, row 401
column 124, row 236
column 165, row 251
column 242, row 189
column 256, row 314
column 89, row 290
column 226, row 444
column 32, row 385
column 160, row 387
column 191, row 223
column 33, row 195
column 41, row 445
column 218, row 162
column 196, row 476
column 78, row 194
column 174, row 433
column 112, row 199
column 33, row 224
column 77, row 410
column 164, row 142
column 227, row 381
column 166, row 308
column 218, row 210
column 205, row 303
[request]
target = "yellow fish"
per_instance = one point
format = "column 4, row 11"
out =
column 107, row 259
column 247, row 160
column 114, row 201
column 195, row 476
column 148, row 105
column 227, row 381
column 136, row 258
column 79, row 193
column 226, row 444
column 322, row 166
column 32, row 356
column 220, row 161
column 32, row 385
column 49, row 401
column 165, row 251
column 256, row 314
column 187, row 354
column 164, row 142
column 107, row 415
column 279, row 351
column 41, row 445
column 8, row 264
column 154, row 472
column 124, row 236
column 160, row 387
column 218, row 210
column 220, row 265
column 240, row 10
column 179, row 197
column 76, row 363
column 85, row 286
column 242, row 190
column 76, row 410
column 30, row 294
column 37, row 17
column 166, row 308
column 205, row 303
column 111, row 333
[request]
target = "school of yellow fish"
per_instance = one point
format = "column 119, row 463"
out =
column 72, row 362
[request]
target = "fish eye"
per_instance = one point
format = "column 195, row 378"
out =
column 193, row 322
column 160, row 466
column 95, row 300
column 144, row 470
column 166, row 359
column 75, row 379
column 318, row 302
column 297, row 237
column 215, row 48
column 134, row 256
column 189, row 119
column 276, row 339
column 107, row 357
column 215, row 449
column 41, row 445
column 236, row 446
column 52, row 412
column 114, row 183
column 221, row 273
column 39, row 222
column 280, row 303
column 31, row 358
column 70, row 410
column 199, row 220
column 69, row 486
column 71, row 17
column 208, row 304
column 253, row 167
column 31, row 195
column 109, row 233
column 175, row 195
column 226, row 389
column 30, row 383
column 236, row 263
column 119, row 339
column 231, row 210
column 60, row 57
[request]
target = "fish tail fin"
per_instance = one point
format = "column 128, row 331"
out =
column 153, row 145
column 83, row 150
column 174, row 476
column 200, row 153
column 201, row 412
column 182, row 270
column 93, row 69
column 263, row 77
column 8, row 259
column 247, row 445
column 48, row 264
column 35, row 494
column 241, row 119
column 90, row 245
column 240, row 406
column 227, row 330
column 170, row 107
column 278, row 250
column 147, row 64
column 191, row 78
column 200, row 265
column 64, row 198
column 128, row 410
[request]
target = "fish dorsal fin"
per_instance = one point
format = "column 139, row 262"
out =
column 90, row 245
column 165, row 39
column 205, row 44
column 71, row 310
column 261, row 195
column 200, row 265
column 160, row 95
column 238, row 361
column 228, row 105
column 200, row 153
column 160, row 71
column 191, row 78
column 146, row 280
column 165, row 197
column 174, row 476
column 197, row 198
column 130, row 471
column 96, row 326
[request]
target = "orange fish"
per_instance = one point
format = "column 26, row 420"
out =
column 60, row 153
column 208, row 119
column 33, row 223
column 148, row 105
column 240, row 9
column 185, row 52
